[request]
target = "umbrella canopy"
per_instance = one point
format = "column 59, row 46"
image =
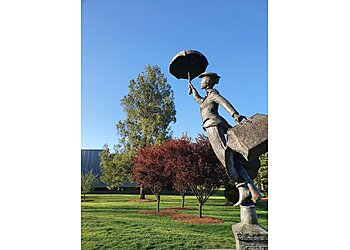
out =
column 188, row 64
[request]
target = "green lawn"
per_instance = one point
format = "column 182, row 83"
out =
column 111, row 222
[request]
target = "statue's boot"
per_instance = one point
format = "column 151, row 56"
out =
column 235, row 170
column 254, row 191
column 244, row 194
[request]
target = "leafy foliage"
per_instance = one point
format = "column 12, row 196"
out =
column 179, row 160
column 115, row 167
column 88, row 182
column 207, row 174
column 261, row 180
column 149, row 108
column 149, row 169
column 182, row 164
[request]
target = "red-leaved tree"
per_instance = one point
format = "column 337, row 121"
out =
column 193, row 165
column 182, row 164
column 179, row 160
column 207, row 174
column 149, row 170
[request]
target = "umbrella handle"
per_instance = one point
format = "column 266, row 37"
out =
column 189, row 81
column 188, row 74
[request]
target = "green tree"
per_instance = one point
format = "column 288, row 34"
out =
column 149, row 107
column 115, row 167
column 88, row 182
column 261, row 181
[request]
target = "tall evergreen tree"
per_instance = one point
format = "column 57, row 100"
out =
column 149, row 108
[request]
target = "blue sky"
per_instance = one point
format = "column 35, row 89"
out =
column 119, row 38
column 308, row 99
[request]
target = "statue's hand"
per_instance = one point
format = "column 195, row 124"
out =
column 238, row 118
column 190, row 88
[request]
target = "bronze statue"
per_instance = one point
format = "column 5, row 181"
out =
column 238, row 148
column 216, row 127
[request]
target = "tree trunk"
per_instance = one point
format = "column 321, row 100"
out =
column 142, row 194
column 183, row 200
column 200, row 210
column 158, row 201
column 84, row 197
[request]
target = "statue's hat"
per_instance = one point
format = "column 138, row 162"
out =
column 209, row 74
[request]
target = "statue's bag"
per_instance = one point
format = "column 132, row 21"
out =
column 250, row 137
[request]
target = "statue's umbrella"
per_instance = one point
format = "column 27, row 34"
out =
column 188, row 64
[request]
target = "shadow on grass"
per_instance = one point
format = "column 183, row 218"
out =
column 105, row 210
column 119, row 209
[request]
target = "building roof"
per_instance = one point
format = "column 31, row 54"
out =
column 90, row 160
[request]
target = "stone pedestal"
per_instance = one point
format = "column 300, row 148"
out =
column 248, row 233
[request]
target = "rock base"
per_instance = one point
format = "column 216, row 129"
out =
column 248, row 233
column 250, row 237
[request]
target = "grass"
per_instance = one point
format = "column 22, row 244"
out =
column 110, row 221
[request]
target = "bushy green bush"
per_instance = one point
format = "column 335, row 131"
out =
column 88, row 182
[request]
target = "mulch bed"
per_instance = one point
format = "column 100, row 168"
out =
column 185, row 218
column 229, row 204
column 144, row 200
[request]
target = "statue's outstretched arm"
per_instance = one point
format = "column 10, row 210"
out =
column 216, row 97
column 195, row 94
